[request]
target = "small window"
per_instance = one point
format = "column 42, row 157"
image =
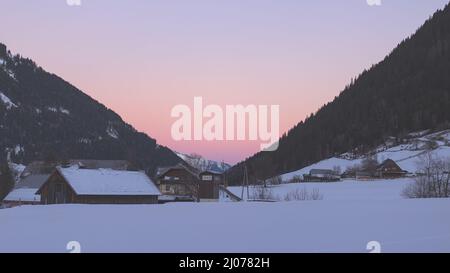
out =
column 171, row 178
column 207, row 178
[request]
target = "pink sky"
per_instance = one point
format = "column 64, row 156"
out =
column 141, row 58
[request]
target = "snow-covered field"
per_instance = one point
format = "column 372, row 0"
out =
column 350, row 215
column 345, row 190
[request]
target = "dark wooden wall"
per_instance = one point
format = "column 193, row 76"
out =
column 57, row 191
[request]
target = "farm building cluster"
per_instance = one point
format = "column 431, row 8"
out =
column 388, row 169
column 113, row 182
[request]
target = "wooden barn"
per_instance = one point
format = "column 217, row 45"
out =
column 98, row 186
column 390, row 169
column 185, row 183
column 38, row 172
column 322, row 175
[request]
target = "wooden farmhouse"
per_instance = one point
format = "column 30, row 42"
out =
column 390, row 169
column 98, row 186
column 185, row 183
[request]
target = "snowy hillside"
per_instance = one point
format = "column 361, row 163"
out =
column 203, row 163
column 351, row 215
column 406, row 155
column 42, row 114
column 7, row 101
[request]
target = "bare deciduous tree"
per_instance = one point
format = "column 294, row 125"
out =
column 433, row 180
column 262, row 193
column 276, row 180
column 296, row 179
column 316, row 195
column 337, row 170
column 195, row 160
column 370, row 164
column 303, row 195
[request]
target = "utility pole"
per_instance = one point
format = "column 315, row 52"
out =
column 245, row 184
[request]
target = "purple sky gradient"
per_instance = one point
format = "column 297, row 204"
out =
column 142, row 57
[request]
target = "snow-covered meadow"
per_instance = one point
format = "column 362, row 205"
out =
column 345, row 190
column 350, row 215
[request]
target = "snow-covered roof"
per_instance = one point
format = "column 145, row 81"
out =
column 108, row 182
column 24, row 194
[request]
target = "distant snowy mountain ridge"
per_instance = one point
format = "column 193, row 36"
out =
column 204, row 164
